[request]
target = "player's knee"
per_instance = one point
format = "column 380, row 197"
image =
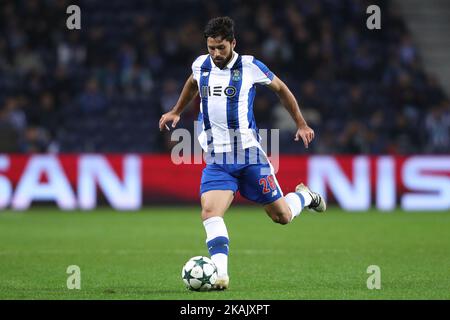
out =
column 280, row 218
column 208, row 212
column 284, row 220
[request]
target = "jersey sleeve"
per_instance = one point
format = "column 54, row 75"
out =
column 195, row 70
column 261, row 74
column 196, row 66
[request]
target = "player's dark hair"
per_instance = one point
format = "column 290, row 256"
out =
column 220, row 27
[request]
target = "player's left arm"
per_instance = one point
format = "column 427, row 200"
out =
column 290, row 103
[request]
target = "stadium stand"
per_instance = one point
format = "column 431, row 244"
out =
column 104, row 87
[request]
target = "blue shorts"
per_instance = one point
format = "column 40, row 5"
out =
column 255, row 182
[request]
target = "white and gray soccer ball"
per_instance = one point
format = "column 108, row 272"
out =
column 199, row 273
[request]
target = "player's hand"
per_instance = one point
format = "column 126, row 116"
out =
column 306, row 134
column 168, row 117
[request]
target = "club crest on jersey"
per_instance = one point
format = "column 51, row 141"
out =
column 236, row 75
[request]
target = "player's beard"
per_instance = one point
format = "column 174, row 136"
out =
column 222, row 63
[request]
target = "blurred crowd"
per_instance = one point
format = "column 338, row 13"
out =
column 104, row 87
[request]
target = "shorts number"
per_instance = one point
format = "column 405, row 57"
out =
column 272, row 184
column 268, row 181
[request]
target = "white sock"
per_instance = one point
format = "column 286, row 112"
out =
column 217, row 243
column 297, row 201
column 221, row 262
column 306, row 197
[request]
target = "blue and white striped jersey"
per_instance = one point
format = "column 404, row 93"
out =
column 226, row 117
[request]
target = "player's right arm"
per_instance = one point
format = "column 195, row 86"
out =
column 187, row 94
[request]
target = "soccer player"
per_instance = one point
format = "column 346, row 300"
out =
column 225, row 81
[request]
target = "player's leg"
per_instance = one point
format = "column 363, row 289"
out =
column 217, row 192
column 214, row 205
column 279, row 211
column 259, row 184
column 285, row 209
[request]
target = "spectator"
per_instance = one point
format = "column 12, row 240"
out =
column 127, row 65
column 438, row 128
column 92, row 99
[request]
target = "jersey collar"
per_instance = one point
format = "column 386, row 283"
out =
column 232, row 61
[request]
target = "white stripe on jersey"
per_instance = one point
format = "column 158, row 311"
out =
column 227, row 100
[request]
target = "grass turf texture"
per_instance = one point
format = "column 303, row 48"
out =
column 139, row 255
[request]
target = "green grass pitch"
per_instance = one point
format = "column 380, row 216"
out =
column 139, row 255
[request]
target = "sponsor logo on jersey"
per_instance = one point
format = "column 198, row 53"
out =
column 218, row 91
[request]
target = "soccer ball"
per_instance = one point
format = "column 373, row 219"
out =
column 199, row 273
